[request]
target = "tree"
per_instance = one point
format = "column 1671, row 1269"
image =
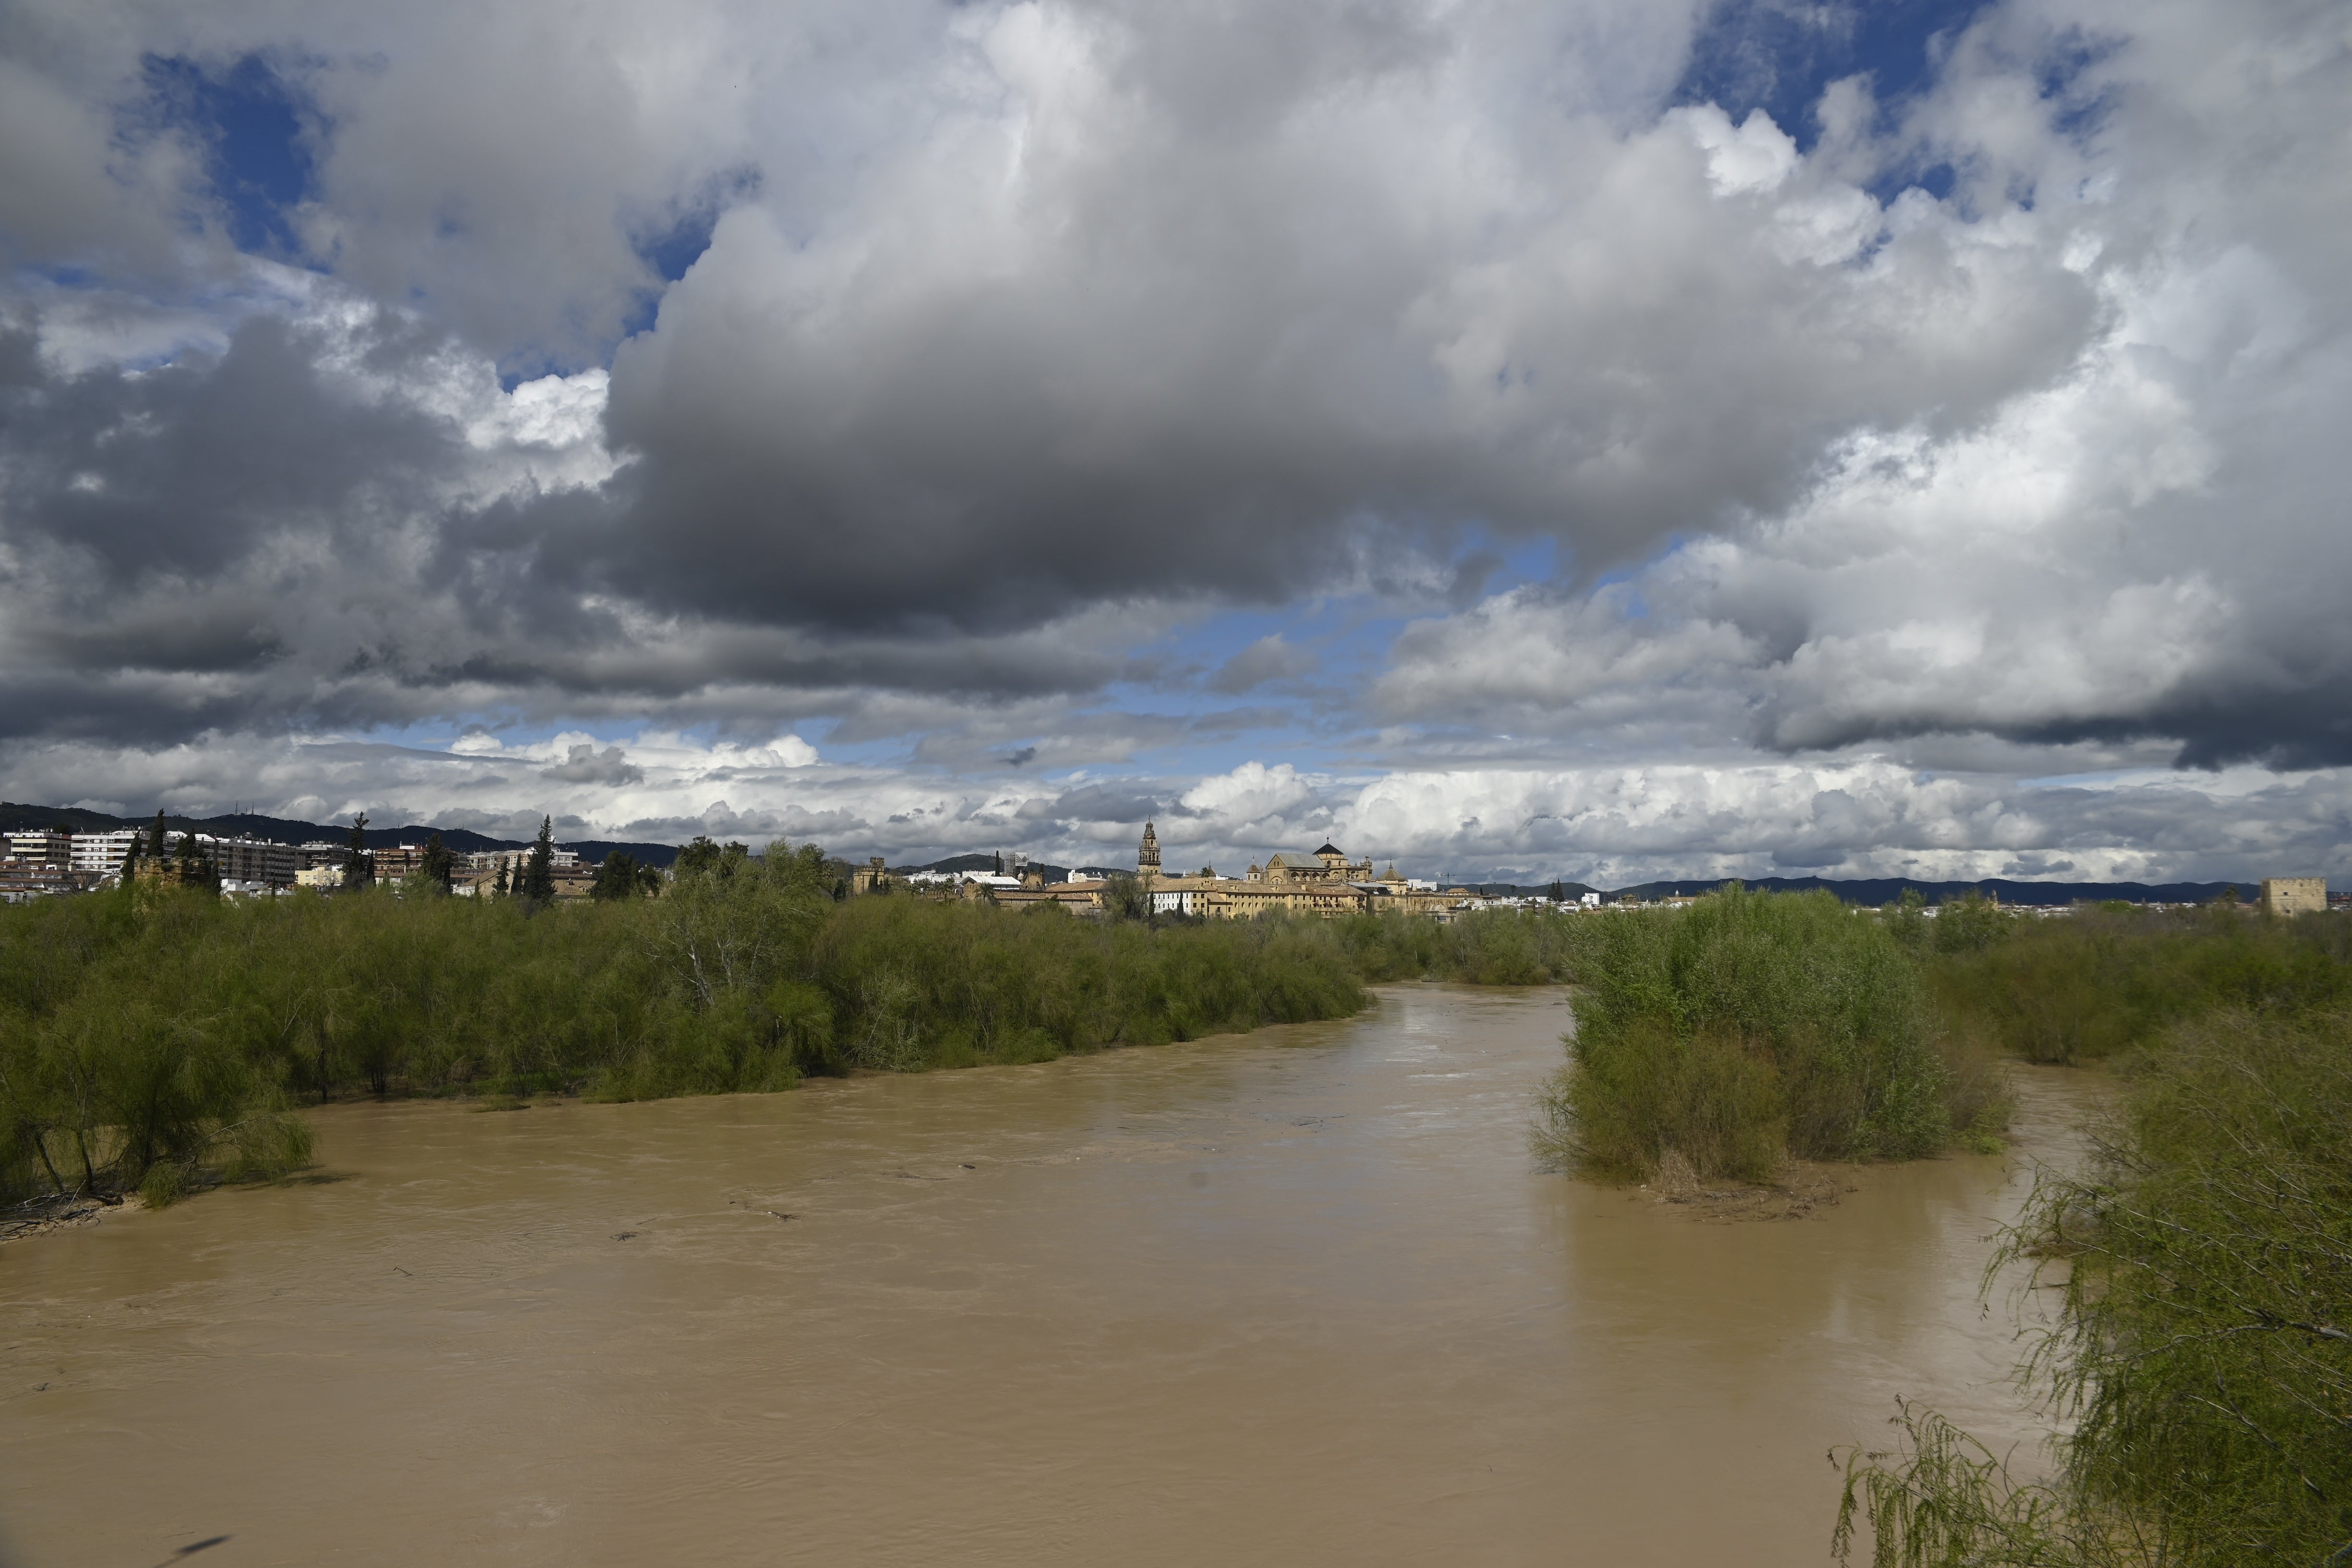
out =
column 155, row 840
column 1559, row 893
column 539, row 867
column 616, row 876
column 358, row 865
column 698, row 857
column 503, row 885
column 195, row 868
column 705, row 858
column 1124, row 899
column 435, row 869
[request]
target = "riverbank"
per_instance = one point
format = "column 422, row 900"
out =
column 156, row 1032
column 42, row 1215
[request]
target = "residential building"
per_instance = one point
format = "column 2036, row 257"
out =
column 24, row 881
column 255, row 861
column 103, row 852
column 489, row 860
column 43, row 844
column 1080, row 896
column 397, row 862
column 318, row 852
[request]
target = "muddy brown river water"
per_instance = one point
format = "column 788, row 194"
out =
column 1299, row 1297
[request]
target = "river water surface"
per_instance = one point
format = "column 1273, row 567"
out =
column 1299, row 1297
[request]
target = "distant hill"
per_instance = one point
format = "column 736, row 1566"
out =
column 1874, row 890
column 14, row 818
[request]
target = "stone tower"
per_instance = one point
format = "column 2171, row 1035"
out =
column 1147, row 855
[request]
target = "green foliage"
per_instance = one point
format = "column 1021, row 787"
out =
column 2105, row 979
column 1487, row 947
column 193, row 868
column 154, row 1027
column 358, row 865
column 618, row 876
column 536, row 885
column 1123, row 898
column 435, row 869
column 1745, row 1025
column 2204, row 1351
column 703, row 855
column 1947, row 1501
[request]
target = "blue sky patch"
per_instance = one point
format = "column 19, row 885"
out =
column 262, row 133
column 1779, row 55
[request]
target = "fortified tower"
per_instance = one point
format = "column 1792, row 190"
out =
column 1147, row 855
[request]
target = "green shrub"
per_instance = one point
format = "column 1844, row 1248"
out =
column 2107, row 978
column 2203, row 1355
column 1746, row 1025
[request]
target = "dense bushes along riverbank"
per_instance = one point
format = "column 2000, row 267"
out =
column 2203, row 1354
column 2202, row 1362
column 147, row 1032
column 1751, row 1026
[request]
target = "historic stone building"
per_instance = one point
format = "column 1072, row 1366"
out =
column 2294, row 895
column 1325, row 883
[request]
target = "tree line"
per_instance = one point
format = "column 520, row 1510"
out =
column 156, row 1035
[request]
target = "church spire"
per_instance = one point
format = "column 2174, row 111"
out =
column 1146, row 857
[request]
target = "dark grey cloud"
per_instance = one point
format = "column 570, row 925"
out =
column 583, row 763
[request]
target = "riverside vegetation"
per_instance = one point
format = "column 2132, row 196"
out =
column 2200, row 1367
column 153, row 1036
column 1752, row 1026
column 2198, row 1371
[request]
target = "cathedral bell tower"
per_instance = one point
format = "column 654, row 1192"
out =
column 1147, row 855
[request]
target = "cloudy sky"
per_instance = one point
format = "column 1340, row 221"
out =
column 1596, row 438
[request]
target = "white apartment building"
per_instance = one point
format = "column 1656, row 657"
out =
column 487, row 861
column 103, row 852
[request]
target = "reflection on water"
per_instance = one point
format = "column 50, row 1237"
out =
column 1295, row 1298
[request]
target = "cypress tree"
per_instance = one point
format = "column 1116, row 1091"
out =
column 195, row 868
column 358, row 865
column 538, row 869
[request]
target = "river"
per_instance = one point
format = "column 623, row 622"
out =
column 1298, row 1296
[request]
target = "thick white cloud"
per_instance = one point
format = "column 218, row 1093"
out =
column 2137, row 546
